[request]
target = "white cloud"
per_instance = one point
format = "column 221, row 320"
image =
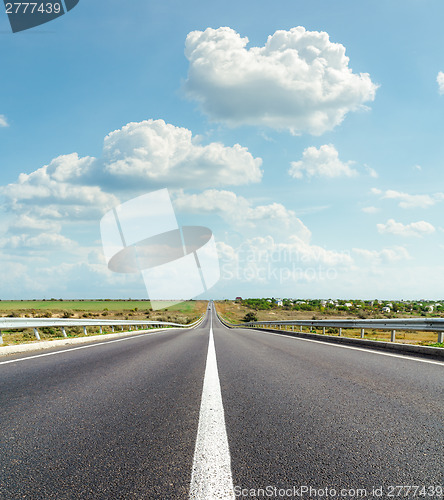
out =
column 241, row 215
column 410, row 200
column 415, row 229
column 371, row 172
column 144, row 156
column 281, row 265
column 298, row 80
column 73, row 169
column 26, row 223
column 440, row 80
column 17, row 278
column 52, row 192
column 384, row 256
column 153, row 152
column 42, row 241
column 3, row 121
column 322, row 162
column 311, row 254
column 370, row 210
column 140, row 156
column 276, row 246
column 65, row 279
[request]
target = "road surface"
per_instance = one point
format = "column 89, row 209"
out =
column 155, row 416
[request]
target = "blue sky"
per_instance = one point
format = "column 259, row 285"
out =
column 320, row 176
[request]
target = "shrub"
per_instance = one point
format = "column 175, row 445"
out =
column 249, row 317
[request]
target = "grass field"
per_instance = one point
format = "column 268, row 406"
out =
column 88, row 305
column 234, row 312
column 183, row 313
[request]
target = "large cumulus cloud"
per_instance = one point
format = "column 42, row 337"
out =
column 299, row 80
column 139, row 156
column 159, row 153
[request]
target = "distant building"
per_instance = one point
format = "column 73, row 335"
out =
column 348, row 304
column 279, row 302
column 430, row 308
column 238, row 299
column 386, row 309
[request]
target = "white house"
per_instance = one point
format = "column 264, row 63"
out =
column 386, row 309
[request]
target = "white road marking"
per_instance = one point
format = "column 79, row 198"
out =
column 211, row 476
column 405, row 356
column 77, row 348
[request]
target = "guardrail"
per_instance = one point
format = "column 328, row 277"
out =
column 393, row 325
column 63, row 323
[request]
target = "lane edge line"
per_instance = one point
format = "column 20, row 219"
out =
column 323, row 342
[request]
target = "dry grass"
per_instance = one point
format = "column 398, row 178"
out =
column 183, row 313
column 234, row 312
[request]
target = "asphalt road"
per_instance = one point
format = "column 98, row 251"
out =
column 120, row 420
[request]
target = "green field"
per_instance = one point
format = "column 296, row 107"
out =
column 90, row 305
column 182, row 313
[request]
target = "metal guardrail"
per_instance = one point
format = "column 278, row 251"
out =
column 63, row 323
column 393, row 325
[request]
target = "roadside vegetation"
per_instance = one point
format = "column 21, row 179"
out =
column 183, row 313
column 272, row 309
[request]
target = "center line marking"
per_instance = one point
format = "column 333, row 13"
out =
column 211, row 477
